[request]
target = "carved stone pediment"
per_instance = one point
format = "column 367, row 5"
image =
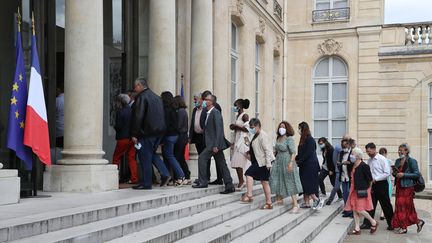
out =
column 329, row 47
column 237, row 13
column 262, row 25
column 277, row 46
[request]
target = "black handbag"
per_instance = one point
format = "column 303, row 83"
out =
column 419, row 184
column 362, row 193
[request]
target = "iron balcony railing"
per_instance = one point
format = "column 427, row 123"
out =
column 277, row 9
column 329, row 15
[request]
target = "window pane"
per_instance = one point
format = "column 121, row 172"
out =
column 339, row 68
column 322, row 69
column 233, row 37
column 338, row 128
column 321, row 111
column 339, row 110
column 321, row 6
column 233, row 69
column 340, row 4
column 339, row 91
column 430, row 106
column 336, row 141
column 320, row 129
column 321, row 92
column 430, row 139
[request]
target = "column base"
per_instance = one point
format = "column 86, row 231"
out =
column 9, row 187
column 81, row 178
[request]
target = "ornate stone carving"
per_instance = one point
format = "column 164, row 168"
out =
column 329, row 47
column 262, row 25
column 277, row 46
column 240, row 5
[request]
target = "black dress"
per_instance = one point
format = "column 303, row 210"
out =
column 255, row 171
column 308, row 164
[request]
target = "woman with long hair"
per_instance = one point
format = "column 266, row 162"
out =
column 180, row 146
column 261, row 157
column 240, row 149
column 406, row 173
column 284, row 176
column 308, row 164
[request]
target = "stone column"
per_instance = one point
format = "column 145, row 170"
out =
column 162, row 46
column 82, row 168
column 202, row 46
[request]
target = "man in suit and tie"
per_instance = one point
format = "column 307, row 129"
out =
column 215, row 144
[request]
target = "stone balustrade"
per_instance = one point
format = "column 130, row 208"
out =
column 418, row 34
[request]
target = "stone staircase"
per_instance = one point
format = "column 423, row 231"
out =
column 182, row 215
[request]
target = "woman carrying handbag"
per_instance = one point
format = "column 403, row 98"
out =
column 360, row 199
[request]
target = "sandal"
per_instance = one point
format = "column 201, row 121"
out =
column 420, row 225
column 401, row 231
column 246, row 199
column 374, row 228
column 294, row 210
column 267, row 206
column 354, row 232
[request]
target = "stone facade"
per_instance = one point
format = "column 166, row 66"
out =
column 274, row 58
column 388, row 76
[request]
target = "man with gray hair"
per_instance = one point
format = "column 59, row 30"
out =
column 147, row 129
column 215, row 143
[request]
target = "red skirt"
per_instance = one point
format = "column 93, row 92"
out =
column 405, row 213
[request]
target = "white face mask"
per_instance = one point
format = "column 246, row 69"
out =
column 401, row 156
column 282, row 131
column 346, row 150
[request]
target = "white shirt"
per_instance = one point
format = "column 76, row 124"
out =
column 345, row 175
column 208, row 113
column 380, row 168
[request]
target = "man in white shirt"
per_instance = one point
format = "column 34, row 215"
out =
column 380, row 171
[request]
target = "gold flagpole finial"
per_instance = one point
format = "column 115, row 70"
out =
column 33, row 24
column 19, row 20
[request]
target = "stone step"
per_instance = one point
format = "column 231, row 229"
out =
column 36, row 224
column 185, row 227
column 275, row 228
column 307, row 230
column 335, row 231
column 238, row 226
column 118, row 226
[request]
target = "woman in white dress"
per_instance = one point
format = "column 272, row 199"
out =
column 241, row 140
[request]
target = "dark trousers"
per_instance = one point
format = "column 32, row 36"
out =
column 380, row 193
column 203, row 165
column 322, row 175
column 179, row 153
column 200, row 146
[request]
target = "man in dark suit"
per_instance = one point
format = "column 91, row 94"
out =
column 215, row 144
column 202, row 119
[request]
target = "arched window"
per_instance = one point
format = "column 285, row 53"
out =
column 330, row 98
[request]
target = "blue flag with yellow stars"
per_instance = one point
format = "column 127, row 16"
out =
column 18, row 105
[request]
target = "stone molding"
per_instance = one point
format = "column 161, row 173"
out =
column 330, row 47
column 260, row 32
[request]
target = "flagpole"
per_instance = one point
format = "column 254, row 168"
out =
column 35, row 165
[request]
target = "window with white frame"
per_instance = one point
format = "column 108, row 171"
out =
column 330, row 81
column 330, row 4
column 257, row 77
column 430, row 99
column 234, row 59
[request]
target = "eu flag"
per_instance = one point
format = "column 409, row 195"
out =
column 18, row 105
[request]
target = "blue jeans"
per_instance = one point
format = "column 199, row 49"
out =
column 147, row 155
column 168, row 155
column 345, row 192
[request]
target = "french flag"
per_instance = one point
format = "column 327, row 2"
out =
column 36, row 133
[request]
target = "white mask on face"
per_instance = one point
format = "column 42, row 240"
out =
column 346, row 150
column 282, row 131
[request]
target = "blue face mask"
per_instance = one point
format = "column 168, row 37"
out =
column 197, row 104
column 352, row 158
column 204, row 104
column 235, row 109
column 252, row 131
